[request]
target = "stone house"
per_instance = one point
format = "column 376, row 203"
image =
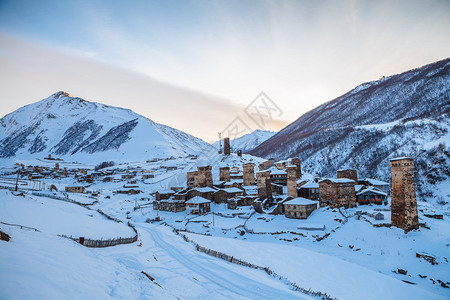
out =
column 371, row 195
column 381, row 185
column 205, row 192
column 278, row 176
column 162, row 195
column 337, row 192
column 198, row 205
column 222, row 195
column 171, row 205
column 75, row 189
column 309, row 190
column 251, row 190
column 299, row 208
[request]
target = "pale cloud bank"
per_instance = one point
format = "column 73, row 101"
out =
column 30, row 72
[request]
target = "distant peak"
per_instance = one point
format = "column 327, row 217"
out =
column 60, row 94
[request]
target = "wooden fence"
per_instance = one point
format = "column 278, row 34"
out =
column 241, row 262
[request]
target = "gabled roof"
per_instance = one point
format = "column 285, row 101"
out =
column 300, row 201
column 232, row 190
column 310, row 185
column 205, row 189
column 339, row 180
column 376, row 182
column 373, row 190
column 198, row 200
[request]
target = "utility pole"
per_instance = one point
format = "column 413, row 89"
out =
column 220, row 141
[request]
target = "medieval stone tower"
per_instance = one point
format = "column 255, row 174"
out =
column 404, row 204
column 292, row 181
column 349, row 174
column 224, row 174
column 226, row 146
column 249, row 174
column 296, row 162
column 264, row 184
column 203, row 177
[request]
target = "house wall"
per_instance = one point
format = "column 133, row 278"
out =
column 298, row 211
column 75, row 189
column 337, row 194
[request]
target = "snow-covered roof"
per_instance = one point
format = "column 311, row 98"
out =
column 166, row 192
column 358, row 187
column 310, row 185
column 339, row 180
column 198, row 200
column 372, row 189
column 249, row 187
column 300, row 201
column 376, row 182
column 206, row 189
column 275, row 171
column 232, row 190
column 399, row 158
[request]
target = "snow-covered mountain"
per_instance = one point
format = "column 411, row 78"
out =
column 248, row 141
column 73, row 128
column 401, row 115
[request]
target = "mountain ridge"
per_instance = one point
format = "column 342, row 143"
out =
column 69, row 126
column 401, row 115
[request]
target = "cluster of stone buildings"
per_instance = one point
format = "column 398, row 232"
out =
column 280, row 185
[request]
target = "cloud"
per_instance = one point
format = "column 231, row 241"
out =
column 31, row 72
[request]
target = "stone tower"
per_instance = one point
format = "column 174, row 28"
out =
column 203, row 177
column 224, row 174
column 292, row 181
column 404, row 204
column 226, row 146
column 349, row 174
column 296, row 162
column 264, row 184
column 191, row 178
column 249, row 174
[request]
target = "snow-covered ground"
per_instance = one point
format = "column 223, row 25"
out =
column 329, row 252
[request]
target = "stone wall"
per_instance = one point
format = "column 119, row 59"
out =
column 404, row 204
column 337, row 194
column 349, row 174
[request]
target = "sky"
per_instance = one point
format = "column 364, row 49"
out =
column 199, row 65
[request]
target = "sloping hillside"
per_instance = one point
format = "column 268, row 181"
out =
column 405, row 114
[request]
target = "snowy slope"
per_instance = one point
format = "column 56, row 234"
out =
column 401, row 115
column 74, row 128
column 248, row 141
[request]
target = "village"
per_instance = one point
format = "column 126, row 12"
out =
column 264, row 186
